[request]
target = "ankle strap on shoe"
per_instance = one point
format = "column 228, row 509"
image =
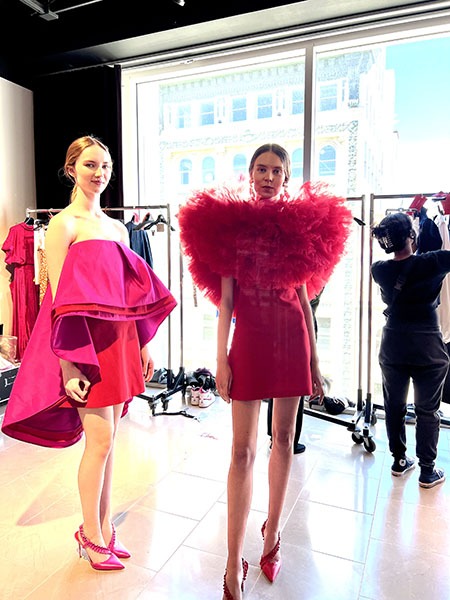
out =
column 86, row 543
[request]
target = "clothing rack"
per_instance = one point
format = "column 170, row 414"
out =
column 373, row 198
column 361, row 419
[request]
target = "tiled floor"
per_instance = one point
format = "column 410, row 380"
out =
column 351, row 531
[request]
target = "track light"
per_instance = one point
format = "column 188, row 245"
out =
column 42, row 10
column 179, row 2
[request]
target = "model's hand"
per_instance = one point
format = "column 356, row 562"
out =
column 148, row 366
column 318, row 391
column 224, row 378
column 76, row 385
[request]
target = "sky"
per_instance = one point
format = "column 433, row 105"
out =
column 422, row 79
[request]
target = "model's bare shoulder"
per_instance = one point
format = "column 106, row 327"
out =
column 122, row 230
column 62, row 221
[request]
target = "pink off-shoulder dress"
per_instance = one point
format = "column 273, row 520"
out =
column 108, row 305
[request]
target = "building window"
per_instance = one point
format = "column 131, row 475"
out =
column 328, row 97
column 298, row 102
column 185, row 171
column 208, row 169
column 297, row 164
column 184, row 116
column 207, row 113
column 239, row 164
column 265, row 106
column 327, row 161
column 239, row 109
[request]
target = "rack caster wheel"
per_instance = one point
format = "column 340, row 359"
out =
column 369, row 444
column 357, row 437
column 373, row 419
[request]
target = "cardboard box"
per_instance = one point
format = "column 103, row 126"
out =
column 7, row 378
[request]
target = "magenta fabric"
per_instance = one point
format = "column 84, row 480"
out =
column 102, row 280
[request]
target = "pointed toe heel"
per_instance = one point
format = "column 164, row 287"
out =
column 269, row 565
column 116, row 547
column 226, row 592
column 112, row 563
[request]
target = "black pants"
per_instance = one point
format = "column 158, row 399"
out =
column 446, row 392
column 420, row 357
column 298, row 421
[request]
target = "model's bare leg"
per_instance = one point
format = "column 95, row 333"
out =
column 105, row 499
column 98, row 425
column 240, row 487
column 281, row 456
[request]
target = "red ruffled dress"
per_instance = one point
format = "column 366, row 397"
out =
column 270, row 248
column 19, row 258
column 108, row 305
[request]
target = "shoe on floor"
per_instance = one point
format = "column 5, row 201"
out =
column 206, row 398
column 195, row 396
column 299, row 448
column 429, row 479
column 401, row 465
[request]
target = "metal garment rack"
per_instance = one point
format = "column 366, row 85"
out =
column 373, row 197
column 174, row 383
column 360, row 422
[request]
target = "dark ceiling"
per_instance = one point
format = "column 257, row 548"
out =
column 80, row 33
column 36, row 45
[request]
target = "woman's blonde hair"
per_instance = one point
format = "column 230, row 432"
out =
column 73, row 153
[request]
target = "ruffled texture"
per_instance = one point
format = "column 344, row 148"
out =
column 269, row 244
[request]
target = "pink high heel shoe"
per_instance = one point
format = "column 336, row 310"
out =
column 269, row 566
column 112, row 563
column 116, row 547
column 226, row 592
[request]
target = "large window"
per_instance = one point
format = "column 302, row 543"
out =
column 375, row 110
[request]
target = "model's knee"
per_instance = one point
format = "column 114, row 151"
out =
column 100, row 444
column 283, row 440
column 243, row 457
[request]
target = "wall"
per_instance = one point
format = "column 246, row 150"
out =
column 17, row 174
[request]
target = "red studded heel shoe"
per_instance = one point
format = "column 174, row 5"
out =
column 112, row 563
column 226, row 592
column 116, row 547
column 269, row 566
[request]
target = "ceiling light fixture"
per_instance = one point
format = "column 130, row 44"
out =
column 43, row 9
column 179, row 2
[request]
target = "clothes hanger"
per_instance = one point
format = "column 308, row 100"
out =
column 159, row 219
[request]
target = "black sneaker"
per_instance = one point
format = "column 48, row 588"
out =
column 429, row 479
column 402, row 465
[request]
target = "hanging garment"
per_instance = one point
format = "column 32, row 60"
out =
column 270, row 248
column 429, row 238
column 108, row 305
column 40, row 262
column 19, row 250
column 140, row 243
column 443, row 309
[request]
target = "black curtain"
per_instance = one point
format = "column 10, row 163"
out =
column 67, row 106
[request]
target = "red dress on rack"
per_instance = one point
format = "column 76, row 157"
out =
column 109, row 304
column 270, row 248
column 19, row 249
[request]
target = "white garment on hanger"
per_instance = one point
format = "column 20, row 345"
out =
column 443, row 309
